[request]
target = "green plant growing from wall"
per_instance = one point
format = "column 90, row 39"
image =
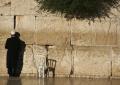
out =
column 79, row 9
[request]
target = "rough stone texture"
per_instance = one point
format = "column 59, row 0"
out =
column 63, row 58
column 52, row 31
column 23, row 7
column 26, row 26
column 28, row 61
column 118, row 30
column 81, row 33
column 116, row 62
column 39, row 52
column 95, row 34
column 105, row 32
column 95, row 45
column 6, row 25
column 3, row 69
column 5, row 7
column 115, row 12
column 92, row 61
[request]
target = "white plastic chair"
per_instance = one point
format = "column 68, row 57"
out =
column 42, row 66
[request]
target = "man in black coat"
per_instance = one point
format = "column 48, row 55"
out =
column 15, row 51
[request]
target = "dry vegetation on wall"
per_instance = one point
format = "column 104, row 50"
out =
column 79, row 9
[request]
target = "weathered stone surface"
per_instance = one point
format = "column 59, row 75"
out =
column 3, row 69
column 52, row 31
column 118, row 30
column 23, row 7
column 95, row 34
column 105, row 32
column 26, row 26
column 6, row 25
column 92, row 61
column 5, row 7
column 116, row 62
column 115, row 12
column 81, row 33
column 28, row 61
column 63, row 58
column 94, row 57
column 39, row 52
column 3, row 81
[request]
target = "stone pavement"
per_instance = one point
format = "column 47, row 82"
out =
column 58, row 81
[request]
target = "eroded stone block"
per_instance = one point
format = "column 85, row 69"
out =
column 3, row 81
column 115, row 12
column 81, row 33
column 116, row 62
column 63, row 58
column 5, row 7
column 118, row 30
column 52, row 31
column 6, row 25
column 23, row 7
column 96, row 33
column 3, row 69
column 92, row 61
column 29, row 66
column 39, row 52
column 105, row 32
column 26, row 26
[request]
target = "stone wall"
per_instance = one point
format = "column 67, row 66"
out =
column 82, row 49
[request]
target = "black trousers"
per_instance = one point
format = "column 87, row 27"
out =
column 13, row 72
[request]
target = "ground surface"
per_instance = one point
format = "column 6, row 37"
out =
column 58, row 81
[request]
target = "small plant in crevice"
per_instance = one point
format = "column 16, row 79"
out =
column 79, row 9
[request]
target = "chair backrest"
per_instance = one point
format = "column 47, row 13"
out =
column 41, row 67
column 42, row 61
column 51, row 63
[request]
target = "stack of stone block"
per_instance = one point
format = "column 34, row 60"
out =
column 81, row 48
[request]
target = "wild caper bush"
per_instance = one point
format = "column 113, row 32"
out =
column 80, row 9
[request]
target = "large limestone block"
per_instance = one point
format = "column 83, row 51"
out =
column 116, row 62
column 118, row 30
column 92, row 61
column 52, row 31
column 6, row 25
column 40, row 52
column 3, row 69
column 28, row 61
column 115, row 12
column 26, row 26
column 96, row 33
column 5, row 7
column 23, row 7
column 63, row 58
column 105, row 32
column 81, row 33
column 3, row 81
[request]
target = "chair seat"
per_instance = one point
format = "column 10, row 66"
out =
column 50, row 68
column 51, row 64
